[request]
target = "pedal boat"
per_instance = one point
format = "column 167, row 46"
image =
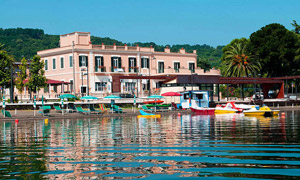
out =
column 148, row 115
column 263, row 111
column 227, row 108
column 203, row 110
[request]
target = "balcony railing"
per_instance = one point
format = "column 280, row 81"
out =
column 101, row 69
column 117, row 69
column 133, row 69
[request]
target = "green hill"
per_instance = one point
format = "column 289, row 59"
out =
column 26, row 42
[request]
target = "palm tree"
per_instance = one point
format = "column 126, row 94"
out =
column 238, row 63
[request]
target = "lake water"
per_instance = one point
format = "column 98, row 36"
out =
column 173, row 147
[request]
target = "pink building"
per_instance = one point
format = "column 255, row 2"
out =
column 96, row 69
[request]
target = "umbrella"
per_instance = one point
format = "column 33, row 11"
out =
column 89, row 98
column 171, row 94
column 112, row 97
column 66, row 96
column 155, row 97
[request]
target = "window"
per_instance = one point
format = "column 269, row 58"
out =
column 161, row 67
column 199, row 96
column 100, row 86
column 70, row 61
column 130, row 86
column 62, row 65
column 186, row 96
column 83, row 61
column 176, row 66
column 99, row 62
column 145, row 62
column 132, row 64
column 53, row 63
column 46, row 64
column 192, row 67
column 116, row 64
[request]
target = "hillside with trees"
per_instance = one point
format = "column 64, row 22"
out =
column 21, row 43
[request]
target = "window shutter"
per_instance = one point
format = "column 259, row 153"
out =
column 96, row 63
column 80, row 61
column 134, row 62
column 112, row 64
column 147, row 62
column 119, row 62
column 102, row 61
column 142, row 62
column 129, row 65
column 86, row 61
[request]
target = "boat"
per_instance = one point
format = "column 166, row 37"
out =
column 148, row 115
column 229, row 107
column 153, row 102
column 203, row 110
column 159, row 105
column 263, row 111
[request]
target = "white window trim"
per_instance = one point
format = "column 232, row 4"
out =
column 157, row 66
column 115, row 56
column 72, row 61
column 131, row 56
column 47, row 65
column 55, row 64
column 144, row 63
column 188, row 64
column 63, row 61
column 176, row 61
column 99, row 55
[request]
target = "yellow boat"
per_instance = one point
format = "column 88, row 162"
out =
column 149, row 116
column 263, row 111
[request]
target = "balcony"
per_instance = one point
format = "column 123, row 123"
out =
column 117, row 69
column 181, row 70
column 100, row 69
column 133, row 69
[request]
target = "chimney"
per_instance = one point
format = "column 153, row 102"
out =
column 167, row 49
column 182, row 51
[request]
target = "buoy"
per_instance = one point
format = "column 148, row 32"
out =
column 46, row 120
column 17, row 121
column 179, row 114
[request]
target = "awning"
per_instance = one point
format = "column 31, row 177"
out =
column 51, row 82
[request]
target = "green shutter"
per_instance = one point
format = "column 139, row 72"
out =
column 86, row 61
column 129, row 68
column 96, row 63
column 134, row 62
column 119, row 62
column 147, row 62
column 80, row 61
column 112, row 64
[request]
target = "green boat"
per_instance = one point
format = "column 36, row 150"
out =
column 159, row 105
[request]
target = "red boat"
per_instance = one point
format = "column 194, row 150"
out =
column 203, row 111
column 153, row 102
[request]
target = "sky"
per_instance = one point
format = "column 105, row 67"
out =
column 212, row 22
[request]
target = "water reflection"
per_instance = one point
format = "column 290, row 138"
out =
column 171, row 147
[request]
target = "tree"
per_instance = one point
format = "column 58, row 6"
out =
column 6, row 62
column 21, row 76
column 237, row 61
column 275, row 47
column 296, row 26
column 37, row 79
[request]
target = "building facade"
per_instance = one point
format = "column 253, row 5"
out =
column 96, row 69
